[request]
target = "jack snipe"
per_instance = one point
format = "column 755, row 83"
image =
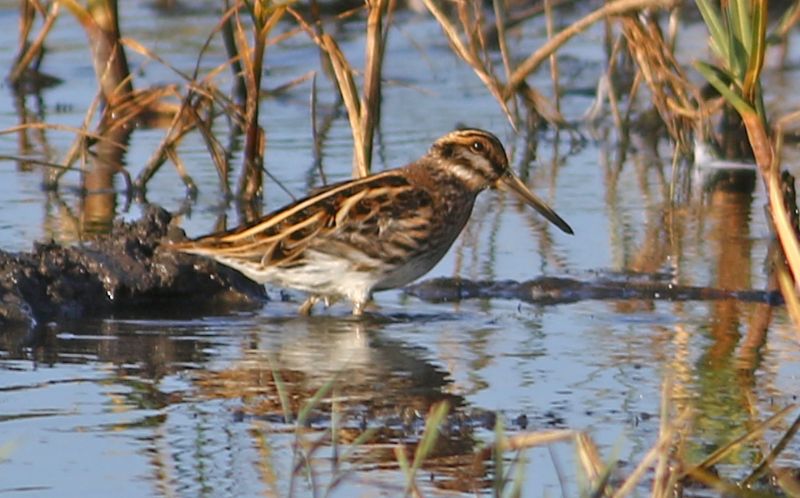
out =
column 375, row 233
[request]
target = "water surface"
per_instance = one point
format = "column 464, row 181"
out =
column 187, row 403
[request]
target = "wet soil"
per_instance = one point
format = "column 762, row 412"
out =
column 132, row 267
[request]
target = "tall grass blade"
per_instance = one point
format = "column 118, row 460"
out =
column 431, row 433
column 499, row 463
column 424, row 448
column 757, row 50
column 314, row 401
column 283, row 396
column 716, row 29
column 717, row 78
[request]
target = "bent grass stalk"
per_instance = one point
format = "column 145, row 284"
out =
column 425, row 447
column 34, row 49
column 740, row 43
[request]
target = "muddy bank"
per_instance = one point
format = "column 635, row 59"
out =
column 129, row 268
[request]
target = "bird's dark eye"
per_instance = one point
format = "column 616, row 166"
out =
column 477, row 146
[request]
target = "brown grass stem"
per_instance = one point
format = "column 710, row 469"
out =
column 371, row 94
column 533, row 61
column 34, row 49
column 471, row 55
column 363, row 112
column 665, row 440
column 773, row 454
column 554, row 77
column 347, row 88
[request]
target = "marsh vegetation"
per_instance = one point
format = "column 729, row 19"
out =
column 656, row 353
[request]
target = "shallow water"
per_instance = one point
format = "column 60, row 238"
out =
column 186, row 403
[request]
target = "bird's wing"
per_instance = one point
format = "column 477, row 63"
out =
column 373, row 215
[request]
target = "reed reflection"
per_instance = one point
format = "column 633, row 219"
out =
column 376, row 384
column 99, row 200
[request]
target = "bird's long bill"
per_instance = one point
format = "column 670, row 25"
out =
column 512, row 183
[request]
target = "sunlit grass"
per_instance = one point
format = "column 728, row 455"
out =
column 662, row 465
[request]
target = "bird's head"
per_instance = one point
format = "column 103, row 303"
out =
column 477, row 158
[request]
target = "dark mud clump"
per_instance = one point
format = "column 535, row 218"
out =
column 555, row 290
column 132, row 267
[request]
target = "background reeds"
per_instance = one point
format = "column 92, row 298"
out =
column 644, row 35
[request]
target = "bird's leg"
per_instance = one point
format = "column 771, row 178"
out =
column 358, row 308
column 308, row 304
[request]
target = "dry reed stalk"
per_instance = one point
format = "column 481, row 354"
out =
column 146, row 52
column 502, row 43
column 371, row 95
column 347, row 88
column 548, row 15
column 265, row 17
column 772, row 454
column 183, row 121
column 672, row 94
column 201, row 94
column 78, row 145
column 472, row 54
column 541, row 106
column 186, row 118
column 665, row 481
column 363, row 113
column 229, row 39
column 610, row 89
column 100, row 21
column 786, row 229
column 28, row 52
column 533, row 439
column 658, row 451
column 589, row 457
column 610, row 9
column 38, row 162
column 768, row 165
column 284, row 87
column 191, row 187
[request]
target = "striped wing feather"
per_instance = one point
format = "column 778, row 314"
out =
column 382, row 217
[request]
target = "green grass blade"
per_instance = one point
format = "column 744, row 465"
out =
column 362, row 439
column 283, row 396
column 431, row 433
column 713, row 20
column 499, row 467
column 759, row 47
column 714, row 75
column 742, row 26
column 314, row 401
column 737, row 60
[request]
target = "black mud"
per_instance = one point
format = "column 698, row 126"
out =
column 555, row 290
column 131, row 268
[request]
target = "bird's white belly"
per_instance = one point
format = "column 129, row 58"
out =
column 320, row 274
